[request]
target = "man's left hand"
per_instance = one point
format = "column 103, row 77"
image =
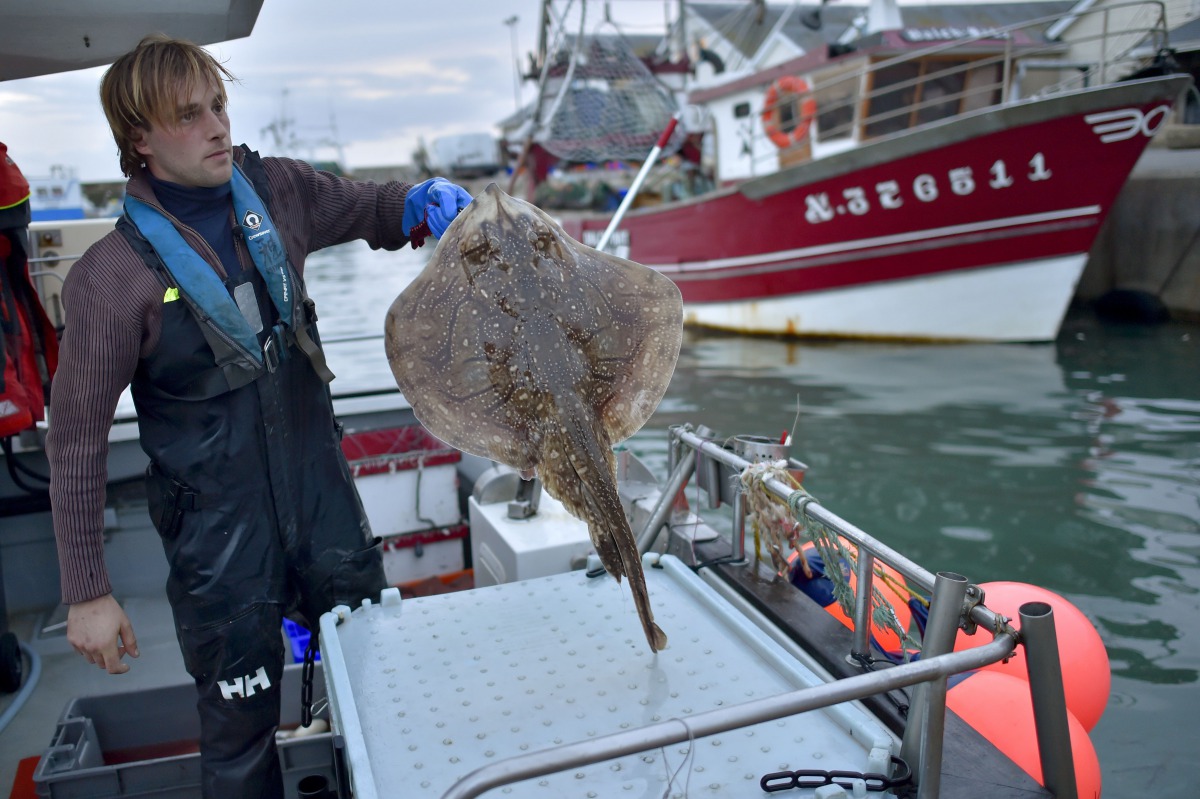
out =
column 430, row 207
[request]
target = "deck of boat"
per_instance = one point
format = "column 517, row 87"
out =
column 65, row 675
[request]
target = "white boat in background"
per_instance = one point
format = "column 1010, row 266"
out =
column 465, row 155
column 887, row 180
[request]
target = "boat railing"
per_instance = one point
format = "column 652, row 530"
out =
column 1085, row 48
column 55, row 246
column 954, row 603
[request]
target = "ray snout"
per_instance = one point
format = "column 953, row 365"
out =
column 489, row 204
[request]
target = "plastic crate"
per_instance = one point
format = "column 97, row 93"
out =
column 144, row 744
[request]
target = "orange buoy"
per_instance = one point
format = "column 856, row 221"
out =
column 1087, row 678
column 1000, row 708
column 891, row 586
column 771, row 118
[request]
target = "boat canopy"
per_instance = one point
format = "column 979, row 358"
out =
column 52, row 36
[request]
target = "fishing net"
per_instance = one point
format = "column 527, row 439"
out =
column 781, row 527
column 602, row 103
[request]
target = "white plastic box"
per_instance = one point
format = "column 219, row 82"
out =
column 504, row 550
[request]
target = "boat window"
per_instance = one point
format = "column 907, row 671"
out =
column 888, row 108
column 835, row 110
column 741, row 110
column 939, row 94
column 983, row 87
column 925, row 90
column 788, row 117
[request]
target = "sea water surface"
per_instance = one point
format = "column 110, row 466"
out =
column 1073, row 465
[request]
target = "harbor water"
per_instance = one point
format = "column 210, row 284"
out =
column 1073, row 465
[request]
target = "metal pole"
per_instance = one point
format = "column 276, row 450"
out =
column 637, row 181
column 739, row 523
column 673, row 731
column 662, row 510
column 511, row 22
column 1049, row 701
column 1102, row 78
column 862, row 604
column 922, row 745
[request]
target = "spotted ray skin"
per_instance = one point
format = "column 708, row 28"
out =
column 520, row 344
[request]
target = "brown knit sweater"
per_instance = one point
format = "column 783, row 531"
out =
column 113, row 305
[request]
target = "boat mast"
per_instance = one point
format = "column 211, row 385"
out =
column 543, row 27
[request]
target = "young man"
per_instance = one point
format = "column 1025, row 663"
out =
column 197, row 301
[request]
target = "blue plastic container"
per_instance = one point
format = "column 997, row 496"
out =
column 298, row 637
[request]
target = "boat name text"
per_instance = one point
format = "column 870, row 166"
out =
column 949, row 33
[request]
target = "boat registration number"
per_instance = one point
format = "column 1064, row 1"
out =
column 925, row 188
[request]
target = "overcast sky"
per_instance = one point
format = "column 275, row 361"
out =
column 377, row 76
column 385, row 72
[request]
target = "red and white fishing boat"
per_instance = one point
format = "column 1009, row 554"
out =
column 884, row 187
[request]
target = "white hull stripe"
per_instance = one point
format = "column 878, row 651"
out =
column 906, row 248
column 878, row 241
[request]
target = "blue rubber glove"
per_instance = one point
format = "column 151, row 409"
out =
column 430, row 207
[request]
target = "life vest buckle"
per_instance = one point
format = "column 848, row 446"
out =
column 270, row 353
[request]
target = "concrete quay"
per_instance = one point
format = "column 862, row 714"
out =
column 1150, row 242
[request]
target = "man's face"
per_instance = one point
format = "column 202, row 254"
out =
column 194, row 150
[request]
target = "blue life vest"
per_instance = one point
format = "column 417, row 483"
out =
column 196, row 279
column 238, row 354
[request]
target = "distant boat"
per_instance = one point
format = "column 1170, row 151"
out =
column 466, row 155
column 932, row 182
column 56, row 196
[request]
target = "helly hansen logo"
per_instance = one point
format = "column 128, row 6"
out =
column 245, row 687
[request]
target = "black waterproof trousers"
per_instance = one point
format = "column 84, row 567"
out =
column 259, row 517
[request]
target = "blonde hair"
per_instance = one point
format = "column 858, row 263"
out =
column 142, row 88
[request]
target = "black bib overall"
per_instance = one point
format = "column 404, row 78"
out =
column 258, row 516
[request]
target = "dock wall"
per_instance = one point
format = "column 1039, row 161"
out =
column 1151, row 240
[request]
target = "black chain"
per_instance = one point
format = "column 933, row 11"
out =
column 306, row 682
column 815, row 778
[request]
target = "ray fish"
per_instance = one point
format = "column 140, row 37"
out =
column 519, row 344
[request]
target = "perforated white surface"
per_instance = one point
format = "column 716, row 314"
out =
column 429, row 689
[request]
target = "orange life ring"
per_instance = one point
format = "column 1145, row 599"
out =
column 788, row 85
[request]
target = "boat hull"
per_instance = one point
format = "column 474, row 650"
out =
column 975, row 228
column 1021, row 301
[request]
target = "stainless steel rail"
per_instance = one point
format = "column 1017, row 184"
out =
column 954, row 603
column 922, row 577
column 548, row 761
column 1137, row 33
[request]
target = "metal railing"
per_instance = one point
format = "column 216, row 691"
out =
column 1040, row 44
column 955, row 603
